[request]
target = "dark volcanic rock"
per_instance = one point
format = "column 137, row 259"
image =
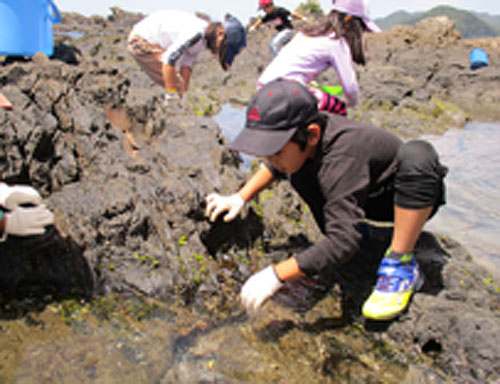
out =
column 126, row 179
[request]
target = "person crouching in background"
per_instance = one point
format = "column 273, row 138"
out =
column 336, row 41
column 165, row 37
column 280, row 18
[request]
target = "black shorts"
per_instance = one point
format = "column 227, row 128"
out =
column 417, row 183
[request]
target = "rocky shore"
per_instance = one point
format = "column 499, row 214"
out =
column 126, row 179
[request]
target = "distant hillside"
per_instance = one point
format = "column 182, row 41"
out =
column 493, row 20
column 393, row 19
column 469, row 24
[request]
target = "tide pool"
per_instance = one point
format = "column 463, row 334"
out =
column 231, row 121
column 472, row 212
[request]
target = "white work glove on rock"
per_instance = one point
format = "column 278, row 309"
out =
column 258, row 288
column 216, row 204
column 28, row 221
column 12, row 197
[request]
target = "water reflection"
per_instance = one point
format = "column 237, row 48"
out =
column 472, row 212
column 72, row 34
column 231, row 121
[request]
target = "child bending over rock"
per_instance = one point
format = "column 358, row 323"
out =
column 347, row 172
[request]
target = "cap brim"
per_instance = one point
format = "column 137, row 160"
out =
column 261, row 143
column 371, row 26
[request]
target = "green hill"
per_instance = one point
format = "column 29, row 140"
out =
column 393, row 19
column 493, row 20
column 469, row 24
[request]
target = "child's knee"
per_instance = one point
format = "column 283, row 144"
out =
column 419, row 178
column 417, row 156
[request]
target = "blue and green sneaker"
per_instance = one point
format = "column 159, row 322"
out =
column 398, row 279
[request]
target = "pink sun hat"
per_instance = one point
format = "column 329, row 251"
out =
column 357, row 8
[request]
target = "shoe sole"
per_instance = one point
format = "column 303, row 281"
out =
column 418, row 285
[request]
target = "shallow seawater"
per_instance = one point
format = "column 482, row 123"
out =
column 128, row 340
column 73, row 34
column 231, row 121
column 472, row 212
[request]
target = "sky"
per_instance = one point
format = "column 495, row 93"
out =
column 246, row 9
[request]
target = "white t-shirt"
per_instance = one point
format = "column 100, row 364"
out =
column 304, row 58
column 179, row 33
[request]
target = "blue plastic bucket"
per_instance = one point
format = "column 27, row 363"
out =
column 478, row 58
column 26, row 27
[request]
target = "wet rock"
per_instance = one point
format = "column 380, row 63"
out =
column 126, row 179
column 41, row 266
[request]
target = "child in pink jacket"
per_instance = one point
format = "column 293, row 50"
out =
column 338, row 42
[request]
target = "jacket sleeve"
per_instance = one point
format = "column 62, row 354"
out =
column 180, row 47
column 341, row 60
column 344, row 182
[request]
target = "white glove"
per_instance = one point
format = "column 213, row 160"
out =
column 216, row 204
column 28, row 221
column 259, row 287
column 12, row 197
column 251, row 29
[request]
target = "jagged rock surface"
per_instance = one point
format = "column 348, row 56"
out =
column 126, row 178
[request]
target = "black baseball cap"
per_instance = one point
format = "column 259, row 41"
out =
column 273, row 115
